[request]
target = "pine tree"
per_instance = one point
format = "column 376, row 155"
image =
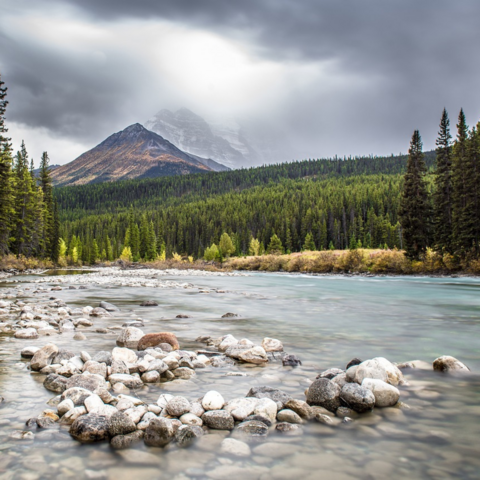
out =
column 442, row 198
column 135, row 242
column 55, row 234
column 309, row 244
column 6, row 177
column 151, row 249
column 275, row 246
column 226, row 245
column 48, row 214
column 414, row 204
column 144, row 236
column 461, row 235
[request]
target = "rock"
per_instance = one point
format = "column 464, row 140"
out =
column 130, row 337
column 350, row 373
column 291, row 361
column 120, row 424
column 26, row 333
column 241, row 408
column 120, row 442
column 227, row 342
column 178, row 406
column 196, row 409
column 259, row 418
column 213, row 401
column 55, row 383
column 45, row 422
column 109, row 307
column 72, row 415
column 188, row 434
column 358, row 398
column 124, row 355
column 130, row 381
column 76, row 394
column 300, row 407
column 136, row 413
column 289, row 416
column 340, row 380
column 65, row 406
column 150, row 377
column 62, row 355
column 279, row 397
column 68, row 370
column 234, row 351
column 218, row 420
column 43, row 357
column 151, row 340
column 22, row 435
column 157, row 365
column 79, row 336
column 266, row 407
column 379, row 368
column 255, row 355
column 181, row 315
column 449, row 364
column 330, row 373
column 386, row 395
column 191, row 419
column 97, row 368
column 163, row 400
column 90, row 428
column 229, row 315
column 251, row 428
column 149, row 303
column 324, row 393
column 86, row 380
column 29, row 352
column 93, row 403
column 103, row 357
column 119, row 366
column 343, row 412
column 159, row 432
column 99, row 312
column 184, row 373
column 104, row 394
column 288, row 428
column 272, row 345
column 231, row 446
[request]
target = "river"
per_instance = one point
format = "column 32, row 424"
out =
column 324, row 320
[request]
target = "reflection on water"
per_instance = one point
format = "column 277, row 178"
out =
column 65, row 272
column 326, row 321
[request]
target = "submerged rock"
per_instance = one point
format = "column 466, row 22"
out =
column 251, row 428
column 159, row 432
column 120, row 424
column 109, row 307
column 449, row 364
column 149, row 303
column 291, row 361
column 121, row 442
column 279, row 397
column 188, row 434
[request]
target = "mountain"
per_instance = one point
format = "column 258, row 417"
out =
column 224, row 140
column 132, row 153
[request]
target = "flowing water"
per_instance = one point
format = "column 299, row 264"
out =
column 326, row 321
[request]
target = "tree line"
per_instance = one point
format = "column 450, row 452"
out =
column 445, row 217
column 29, row 223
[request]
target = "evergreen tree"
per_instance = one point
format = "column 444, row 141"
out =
column 6, row 177
column 48, row 214
column 109, row 250
column 55, row 234
column 151, row 249
column 94, row 252
column 309, row 244
column 226, row 245
column 414, row 204
column 135, row 242
column 144, row 236
column 254, row 247
column 275, row 246
column 442, row 198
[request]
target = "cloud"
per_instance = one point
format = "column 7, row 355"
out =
column 339, row 77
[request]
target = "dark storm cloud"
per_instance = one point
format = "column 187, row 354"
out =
column 395, row 65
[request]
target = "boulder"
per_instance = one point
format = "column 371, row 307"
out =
column 272, row 345
column 289, row 416
column 90, row 428
column 86, row 380
column 63, row 354
column 157, row 365
column 55, row 383
column 213, row 401
column 119, row 366
column 150, row 377
column 130, row 381
column 267, row 408
column 151, row 340
column 234, row 351
column 251, row 428
column 301, row 408
column 291, row 361
column 379, row 368
column 109, row 307
column 449, row 364
column 97, row 368
column 159, row 432
column 43, row 357
column 121, row 442
column 99, row 312
column 330, row 373
column 76, row 394
column 124, row 355
column 130, row 337
column 324, row 393
column 103, row 357
column 29, row 352
column 26, row 333
column 184, row 373
column 191, row 419
column 227, row 342
column 241, row 408
column 386, row 395
column 65, row 406
column 120, row 424
column 279, row 397
column 358, row 398
column 187, row 434
column 218, row 420
column 178, row 406
column 255, row 355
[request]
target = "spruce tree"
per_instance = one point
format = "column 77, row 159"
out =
column 275, row 246
column 309, row 244
column 48, row 214
column 442, row 197
column 6, row 177
column 414, row 204
column 226, row 245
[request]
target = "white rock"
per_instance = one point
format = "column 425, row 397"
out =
column 245, row 342
column 255, row 355
column 65, row 406
column 191, row 419
column 125, row 355
column 450, row 364
column 136, row 413
column 87, row 310
column 163, row 400
column 197, row 409
column 272, row 345
column 73, row 414
column 379, row 368
column 129, row 337
column 93, row 403
column 228, row 341
column 213, row 401
column 267, row 408
column 241, row 408
column 235, row 447
column 43, row 357
column 385, row 395
column 29, row 352
column 26, row 333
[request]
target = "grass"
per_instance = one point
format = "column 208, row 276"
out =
column 12, row 262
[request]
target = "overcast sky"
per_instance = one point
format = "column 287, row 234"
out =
column 339, row 77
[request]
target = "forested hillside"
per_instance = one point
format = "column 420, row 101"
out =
column 331, row 203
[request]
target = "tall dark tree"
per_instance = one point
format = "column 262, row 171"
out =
column 442, row 197
column 460, row 172
column 48, row 213
column 6, row 177
column 414, row 210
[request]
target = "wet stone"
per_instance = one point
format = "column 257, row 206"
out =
column 186, row 435
column 120, row 442
column 251, row 428
column 218, row 420
column 90, row 428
